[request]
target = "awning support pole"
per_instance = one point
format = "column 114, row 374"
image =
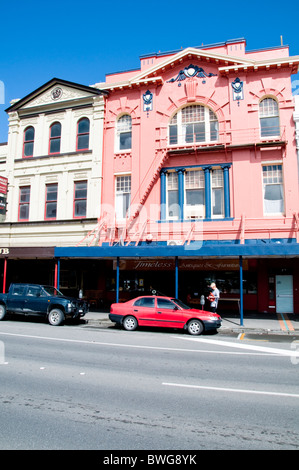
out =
column 241, row 289
column 57, row 273
column 176, row 277
column 117, row 280
column 4, row 275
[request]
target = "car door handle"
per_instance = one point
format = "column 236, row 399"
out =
column 136, row 310
column 159, row 312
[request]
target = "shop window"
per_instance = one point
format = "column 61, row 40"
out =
column 80, row 199
column 51, row 201
column 273, row 189
column 24, row 203
column 28, row 143
column 83, row 130
column 55, row 138
column 124, row 133
column 122, row 196
column 269, row 117
column 195, row 123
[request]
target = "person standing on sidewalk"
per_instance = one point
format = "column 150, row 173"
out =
column 213, row 297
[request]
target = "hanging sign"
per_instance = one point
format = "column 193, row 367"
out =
column 3, row 185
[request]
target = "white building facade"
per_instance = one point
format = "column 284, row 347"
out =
column 53, row 165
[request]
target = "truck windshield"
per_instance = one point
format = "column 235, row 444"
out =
column 52, row 291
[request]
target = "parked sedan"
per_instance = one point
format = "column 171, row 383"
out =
column 163, row 312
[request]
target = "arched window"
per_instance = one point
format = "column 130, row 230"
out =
column 55, row 138
column 124, row 132
column 195, row 123
column 83, row 128
column 28, row 143
column 269, row 117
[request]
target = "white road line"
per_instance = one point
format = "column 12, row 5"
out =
column 265, row 349
column 235, row 390
column 133, row 346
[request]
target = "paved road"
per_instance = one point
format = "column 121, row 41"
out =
column 75, row 387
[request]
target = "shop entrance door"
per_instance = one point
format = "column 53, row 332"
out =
column 284, row 294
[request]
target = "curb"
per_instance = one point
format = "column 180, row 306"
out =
column 106, row 323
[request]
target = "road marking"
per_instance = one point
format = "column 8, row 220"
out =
column 235, row 390
column 157, row 348
column 281, row 321
column 280, row 352
column 285, row 323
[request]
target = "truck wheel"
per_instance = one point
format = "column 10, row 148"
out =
column 2, row 312
column 55, row 317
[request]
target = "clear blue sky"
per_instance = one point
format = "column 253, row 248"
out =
column 82, row 41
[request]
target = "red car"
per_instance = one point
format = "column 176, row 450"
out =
column 163, row 312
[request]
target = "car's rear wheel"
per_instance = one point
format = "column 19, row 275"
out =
column 130, row 323
column 2, row 312
column 55, row 317
column 195, row 327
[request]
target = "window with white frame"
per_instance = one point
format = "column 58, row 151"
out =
column 269, row 117
column 124, row 132
column 194, row 194
column 122, row 196
column 217, row 193
column 172, row 196
column 273, row 189
column 194, row 123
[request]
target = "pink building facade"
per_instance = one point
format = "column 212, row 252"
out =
column 200, row 177
column 190, row 175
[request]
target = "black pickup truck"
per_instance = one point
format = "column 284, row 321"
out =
column 35, row 299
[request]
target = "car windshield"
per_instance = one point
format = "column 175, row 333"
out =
column 181, row 304
column 52, row 291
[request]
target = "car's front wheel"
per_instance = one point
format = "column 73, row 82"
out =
column 130, row 323
column 55, row 317
column 195, row 327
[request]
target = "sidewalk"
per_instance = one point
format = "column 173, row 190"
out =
column 262, row 324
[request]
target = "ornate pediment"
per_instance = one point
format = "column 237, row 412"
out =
column 55, row 93
column 191, row 71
